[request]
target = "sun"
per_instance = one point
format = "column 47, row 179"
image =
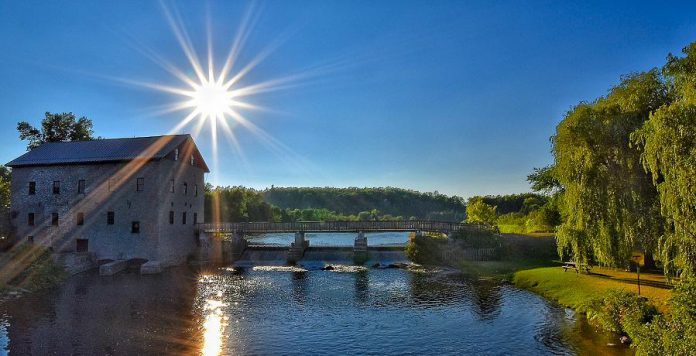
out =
column 211, row 99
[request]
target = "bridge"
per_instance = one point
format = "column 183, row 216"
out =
column 339, row 226
column 221, row 250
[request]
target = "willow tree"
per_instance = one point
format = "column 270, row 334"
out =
column 669, row 141
column 609, row 202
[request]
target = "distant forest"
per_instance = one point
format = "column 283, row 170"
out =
column 235, row 204
column 388, row 201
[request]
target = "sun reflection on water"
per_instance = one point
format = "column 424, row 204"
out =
column 213, row 327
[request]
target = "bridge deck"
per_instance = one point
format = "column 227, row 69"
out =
column 338, row 226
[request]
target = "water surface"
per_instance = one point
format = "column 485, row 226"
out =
column 291, row 310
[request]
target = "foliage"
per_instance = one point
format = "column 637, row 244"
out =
column 620, row 311
column 543, row 180
column 425, row 249
column 480, row 238
column 354, row 201
column 56, row 128
column 40, row 272
column 609, row 202
column 236, row 204
column 675, row 332
column 5, row 225
column 478, row 212
column 512, row 203
column 669, row 141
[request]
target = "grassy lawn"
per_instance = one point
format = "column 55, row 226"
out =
column 574, row 289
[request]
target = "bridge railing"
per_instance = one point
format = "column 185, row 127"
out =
column 338, row 226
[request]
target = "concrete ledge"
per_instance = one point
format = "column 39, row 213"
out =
column 151, row 267
column 111, row 268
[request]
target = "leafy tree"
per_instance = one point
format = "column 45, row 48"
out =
column 669, row 154
column 477, row 211
column 609, row 202
column 543, row 180
column 56, row 128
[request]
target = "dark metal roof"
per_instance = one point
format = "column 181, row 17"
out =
column 103, row 150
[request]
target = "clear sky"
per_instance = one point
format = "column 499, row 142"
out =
column 455, row 96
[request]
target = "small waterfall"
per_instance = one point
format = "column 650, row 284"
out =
column 318, row 257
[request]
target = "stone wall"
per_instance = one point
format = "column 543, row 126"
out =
column 111, row 187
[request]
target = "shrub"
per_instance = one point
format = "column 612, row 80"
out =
column 620, row 311
column 674, row 333
column 425, row 249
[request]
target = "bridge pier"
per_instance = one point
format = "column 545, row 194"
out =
column 297, row 248
column 360, row 248
column 216, row 251
column 236, row 247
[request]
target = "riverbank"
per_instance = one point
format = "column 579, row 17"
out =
column 26, row 269
column 576, row 290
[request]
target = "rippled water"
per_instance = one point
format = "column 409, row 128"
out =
column 276, row 310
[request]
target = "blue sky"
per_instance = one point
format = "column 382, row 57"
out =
column 458, row 97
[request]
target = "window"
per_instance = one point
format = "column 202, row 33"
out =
column 139, row 184
column 111, row 184
column 32, row 188
column 56, row 187
column 183, row 218
column 81, row 245
column 80, row 219
column 195, row 190
column 109, row 217
column 171, row 186
column 135, row 227
column 185, row 188
column 30, row 239
column 171, row 217
column 192, row 160
column 30, row 219
column 54, row 219
column 176, row 154
column 81, row 186
column 195, row 218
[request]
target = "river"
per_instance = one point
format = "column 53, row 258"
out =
column 270, row 309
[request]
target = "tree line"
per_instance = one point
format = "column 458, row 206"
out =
column 237, row 204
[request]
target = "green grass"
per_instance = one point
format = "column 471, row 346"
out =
column 574, row 290
column 502, row 269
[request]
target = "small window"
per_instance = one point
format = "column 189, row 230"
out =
column 81, row 186
column 176, row 154
column 195, row 190
column 135, row 227
column 30, row 219
column 30, row 239
column 54, row 219
column 171, row 186
column 80, row 219
column 56, row 187
column 195, row 218
column 110, row 218
column 192, row 160
column 171, row 217
column 183, row 218
column 185, row 188
column 81, row 245
column 32, row 188
column 140, row 184
column 112, row 184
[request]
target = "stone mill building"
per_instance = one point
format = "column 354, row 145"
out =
column 118, row 199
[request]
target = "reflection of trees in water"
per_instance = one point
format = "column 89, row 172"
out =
column 124, row 314
column 432, row 289
column 362, row 284
column 299, row 287
column 486, row 298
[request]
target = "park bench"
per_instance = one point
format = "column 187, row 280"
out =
column 576, row 266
